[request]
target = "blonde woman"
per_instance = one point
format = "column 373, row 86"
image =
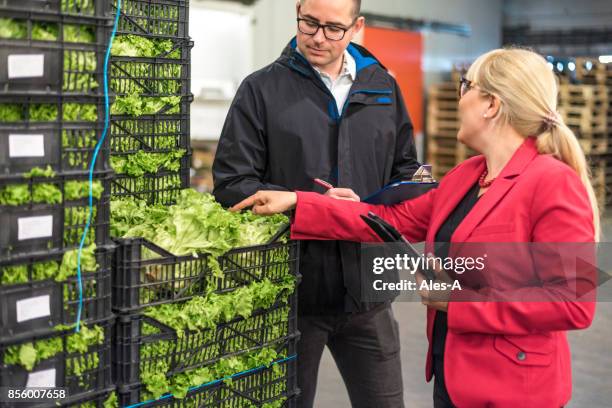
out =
column 530, row 184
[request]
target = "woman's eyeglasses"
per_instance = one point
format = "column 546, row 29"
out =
column 465, row 85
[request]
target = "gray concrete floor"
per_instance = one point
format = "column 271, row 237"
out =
column 591, row 360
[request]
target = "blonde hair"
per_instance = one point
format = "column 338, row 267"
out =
column 528, row 91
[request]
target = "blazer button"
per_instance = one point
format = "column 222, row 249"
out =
column 520, row 356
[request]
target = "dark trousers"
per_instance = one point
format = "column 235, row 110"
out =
column 365, row 347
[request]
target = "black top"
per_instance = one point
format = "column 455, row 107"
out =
column 443, row 237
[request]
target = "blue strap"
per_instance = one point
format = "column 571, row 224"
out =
column 93, row 165
column 166, row 396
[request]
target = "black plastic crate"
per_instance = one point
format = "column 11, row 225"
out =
column 151, row 133
column 63, row 55
column 150, row 76
column 142, row 343
column 154, row 18
column 161, row 188
column 253, row 388
column 146, row 275
column 67, row 148
column 82, row 369
column 31, row 228
column 81, row 8
column 58, row 131
column 35, row 307
column 158, row 133
column 93, row 399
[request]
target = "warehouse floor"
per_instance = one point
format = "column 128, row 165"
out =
column 591, row 359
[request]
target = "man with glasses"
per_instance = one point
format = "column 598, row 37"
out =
column 327, row 109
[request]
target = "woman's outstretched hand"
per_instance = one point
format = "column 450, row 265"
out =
column 268, row 202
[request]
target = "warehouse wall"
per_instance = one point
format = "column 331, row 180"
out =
column 558, row 14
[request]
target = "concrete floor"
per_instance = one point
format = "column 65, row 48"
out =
column 591, row 360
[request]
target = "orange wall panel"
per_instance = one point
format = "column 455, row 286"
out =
column 401, row 52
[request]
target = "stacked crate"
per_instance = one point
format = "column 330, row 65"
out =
column 150, row 155
column 444, row 151
column 590, row 118
column 585, row 110
column 150, row 78
column 152, row 355
column 592, row 72
column 51, row 115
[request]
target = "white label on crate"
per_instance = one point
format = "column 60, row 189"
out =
column 33, row 308
column 35, row 227
column 26, row 65
column 26, row 146
column 41, row 379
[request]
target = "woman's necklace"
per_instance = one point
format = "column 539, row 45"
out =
column 481, row 181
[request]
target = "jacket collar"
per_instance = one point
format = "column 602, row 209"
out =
column 520, row 159
column 500, row 187
column 363, row 58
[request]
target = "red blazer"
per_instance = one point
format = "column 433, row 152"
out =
column 536, row 198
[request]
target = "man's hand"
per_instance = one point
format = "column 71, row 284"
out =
column 342, row 194
column 268, row 202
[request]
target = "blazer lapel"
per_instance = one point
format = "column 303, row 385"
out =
column 500, row 187
column 465, row 180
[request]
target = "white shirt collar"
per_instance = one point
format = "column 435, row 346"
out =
column 349, row 67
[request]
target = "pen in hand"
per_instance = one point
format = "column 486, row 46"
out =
column 337, row 193
column 323, row 184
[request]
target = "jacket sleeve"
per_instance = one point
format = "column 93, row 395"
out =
column 319, row 217
column 240, row 162
column 565, row 299
column 405, row 158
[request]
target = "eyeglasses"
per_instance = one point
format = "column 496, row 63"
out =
column 465, row 85
column 331, row 32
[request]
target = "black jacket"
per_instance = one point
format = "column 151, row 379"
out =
column 284, row 129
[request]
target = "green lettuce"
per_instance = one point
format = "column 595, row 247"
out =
column 136, row 46
column 15, row 29
column 196, row 224
column 141, row 163
column 10, row 112
column 136, row 105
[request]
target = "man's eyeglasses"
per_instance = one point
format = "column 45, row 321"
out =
column 465, row 85
column 331, row 32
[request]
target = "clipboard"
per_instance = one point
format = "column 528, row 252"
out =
column 388, row 233
column 399, row 191
column 422, row 181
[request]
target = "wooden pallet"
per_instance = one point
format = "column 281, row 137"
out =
column 454, row 150
column 582, row 94
column 591, row 71
column 442, row 126
column 582, row 126
column 445, row 153
column 597, row 105
column 599, row 168
column 583, row 112
column 437, row 112
column 584, row 119
column 594, row 143
column 445, row 91
column 440, row 170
